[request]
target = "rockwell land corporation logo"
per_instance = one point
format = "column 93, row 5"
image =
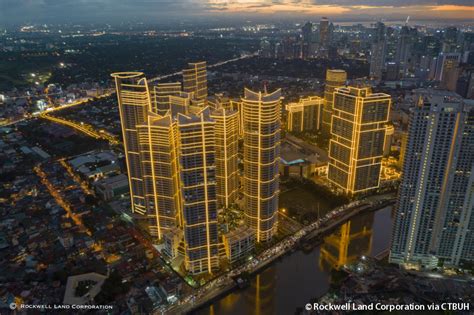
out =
column 13, row 306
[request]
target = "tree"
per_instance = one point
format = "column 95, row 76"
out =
column 112, row 288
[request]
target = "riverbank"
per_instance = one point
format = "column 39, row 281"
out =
column 286, row 246
column 293, row 279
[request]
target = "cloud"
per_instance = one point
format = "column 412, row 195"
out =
column 102, row 10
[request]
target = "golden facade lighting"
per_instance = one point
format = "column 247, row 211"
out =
column 134, row 103
column 305, row 115
column 195, row 81
column 358, row 129
column 334, row 79
column 196, row 151
column 348, row 243
column 161, row 96
column 157, row 140
column 261, row 129
column 227, row 146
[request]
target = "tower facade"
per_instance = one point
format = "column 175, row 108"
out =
column 324, row 32
column 378, row 52
column 261, row 129
column 334, row 79
column 434, row 218
column 134, row 103
column 357, row 138
column 307, row 34
column 404, row 51
column 195, row 81
column 158, row 155
column 196, row 152
column 305, row 115
column 160, row 95
column 227, row 147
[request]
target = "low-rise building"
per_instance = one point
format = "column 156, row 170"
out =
column 111, row 187
column 171, row 240
column 239, row 243
column 305, row 115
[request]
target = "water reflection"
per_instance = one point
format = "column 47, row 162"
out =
column 294, row 280
column 350, row 241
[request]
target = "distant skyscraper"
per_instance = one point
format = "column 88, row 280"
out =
column 227, row 147
column 334, row 79
column 378, row 52
column 447, row 70
column 134, row 103
column 324, row 32
column 305, row 115
column 434, row 212
column 157, row 146
column 195, row 81
column 307, row 34
column 197, row 152
column 450, row 40
column 357, row 138
column 405, row 50
column 261, row 127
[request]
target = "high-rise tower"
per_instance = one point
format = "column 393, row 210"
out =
column 357, row 138
column 377, row 52
column 227, row 147
column 157, row 145
column 307, row 34
column 195, row 81
column 197, row 152
column 261, row 128
column 334, row 79
column 404, row 51
column 434, row 212
column 134, row 103
column 160, row 95
column 305, row 115
column 324, row 32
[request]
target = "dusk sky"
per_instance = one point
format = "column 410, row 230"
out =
column 19, row 11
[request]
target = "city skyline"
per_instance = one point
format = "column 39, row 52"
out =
column 205, row 166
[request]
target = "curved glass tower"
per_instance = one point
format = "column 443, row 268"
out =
column 134, row 104
column 261, row 128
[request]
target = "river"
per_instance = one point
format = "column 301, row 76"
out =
column 298, row 277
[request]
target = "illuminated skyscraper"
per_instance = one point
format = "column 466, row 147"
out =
column 227, row 146
column 261, row 127
column 157, row 139
column 434, row 212
column 305, row 115
column 160, row 96
column 195, row 81
column 334, row 79
column 196, row 152
column 134, row 103
column 357, row 138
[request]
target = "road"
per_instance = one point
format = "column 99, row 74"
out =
column 84, row 128
column 83, row 101
column 53, row 109
column 209, row 66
